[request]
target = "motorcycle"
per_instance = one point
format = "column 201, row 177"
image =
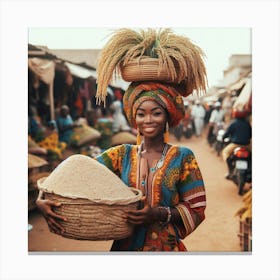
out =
column 242, row 167
column 220, row 143
column 218, row 133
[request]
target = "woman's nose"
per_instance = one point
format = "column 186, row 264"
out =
column 147, row 118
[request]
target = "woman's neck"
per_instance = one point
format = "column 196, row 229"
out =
column 153, row 145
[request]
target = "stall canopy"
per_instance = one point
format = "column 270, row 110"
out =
column 80, row 72
column 245, row 97
column 42, row 61
column 238, row 85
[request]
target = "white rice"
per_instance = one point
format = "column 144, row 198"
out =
column 81, row 176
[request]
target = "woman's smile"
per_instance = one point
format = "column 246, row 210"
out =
column 151, row 119
column 149, row 129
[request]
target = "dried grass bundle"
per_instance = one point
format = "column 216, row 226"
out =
column 176, row 54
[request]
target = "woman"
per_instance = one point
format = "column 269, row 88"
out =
column 65, row 125
column 169, row 177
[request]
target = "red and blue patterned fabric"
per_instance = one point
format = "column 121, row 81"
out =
column 178, row 183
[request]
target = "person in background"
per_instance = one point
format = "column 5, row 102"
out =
column 92, row 116
column 35, row 128
column 65, row 125
column 119, row 121
column 227, row 108
column 198, row 114
column 104, row 125
column 240, row 133
column 215, row 121
column 209, row 110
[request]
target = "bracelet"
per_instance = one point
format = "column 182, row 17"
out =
column 168, row 214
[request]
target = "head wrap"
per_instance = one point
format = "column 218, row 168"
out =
column 162, row 93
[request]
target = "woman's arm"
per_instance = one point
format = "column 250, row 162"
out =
column 149, row 215
column 192, row 197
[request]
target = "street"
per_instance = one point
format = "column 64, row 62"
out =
column 217, row 233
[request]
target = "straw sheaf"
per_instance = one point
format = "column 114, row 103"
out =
column 111, row 55
column 176, row 55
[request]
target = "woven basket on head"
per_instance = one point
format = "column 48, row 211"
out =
column 146, row 69
column 93, row 199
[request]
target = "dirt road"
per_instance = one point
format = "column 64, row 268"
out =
column 218, row 233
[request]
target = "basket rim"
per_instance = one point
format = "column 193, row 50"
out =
column 120, row 201
column 141, row 60
column 146, row 68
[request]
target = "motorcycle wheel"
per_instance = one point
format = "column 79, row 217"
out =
column 218, row 148
column 240, row 183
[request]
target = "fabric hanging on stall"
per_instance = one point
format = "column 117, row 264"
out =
column 44, row 68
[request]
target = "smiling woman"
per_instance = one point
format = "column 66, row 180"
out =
column 174, row 198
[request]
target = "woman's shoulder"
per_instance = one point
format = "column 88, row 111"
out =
column 183, row 150
column 125, row 148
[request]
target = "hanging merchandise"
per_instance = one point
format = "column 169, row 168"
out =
column 68, row 77
column 43, row 68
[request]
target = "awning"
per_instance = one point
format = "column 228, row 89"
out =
column 244, row 97
column 44, row 68
column 238, row 84
column 80, row 72
column 85, row 73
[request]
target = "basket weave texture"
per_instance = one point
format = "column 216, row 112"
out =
column 146, row 69
column 88, row 220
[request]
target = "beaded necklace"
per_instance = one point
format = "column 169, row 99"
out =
column 142, row 183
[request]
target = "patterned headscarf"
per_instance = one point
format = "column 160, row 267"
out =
column 162, row 93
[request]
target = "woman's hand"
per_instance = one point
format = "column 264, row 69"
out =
column 146, row 215
column 45, row 206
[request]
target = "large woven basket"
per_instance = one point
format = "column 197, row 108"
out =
column 145, row 69
column 94, row 220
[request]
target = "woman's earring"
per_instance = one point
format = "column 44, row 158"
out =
column 138, row 138
column 166, row 133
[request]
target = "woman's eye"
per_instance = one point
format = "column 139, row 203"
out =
column 157, row 113
column 140, row 115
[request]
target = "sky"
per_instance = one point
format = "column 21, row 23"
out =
column 217, row 43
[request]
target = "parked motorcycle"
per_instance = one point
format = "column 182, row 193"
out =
column 242, row 171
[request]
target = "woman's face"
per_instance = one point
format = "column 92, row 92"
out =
column 151, row 119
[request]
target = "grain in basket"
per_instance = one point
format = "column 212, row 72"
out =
column 93, row 199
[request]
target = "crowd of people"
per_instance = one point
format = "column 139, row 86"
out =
column 207, row 118
column 106, row 121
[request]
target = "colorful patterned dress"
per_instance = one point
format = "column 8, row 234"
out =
column 178, row 183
